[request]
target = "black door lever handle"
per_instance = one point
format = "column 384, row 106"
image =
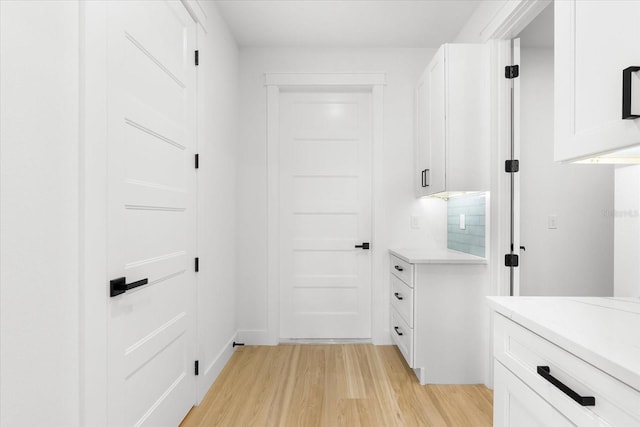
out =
column 363, row 246
column 120, row 286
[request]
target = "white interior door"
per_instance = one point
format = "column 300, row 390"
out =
column 151, row 222
column 325, row 211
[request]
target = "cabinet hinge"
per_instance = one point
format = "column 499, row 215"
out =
column 511, row 71
column 511, row 260
column 197, row 161
column 196, row 367
column 512, row 166
column 196, row 264
column 197, row 57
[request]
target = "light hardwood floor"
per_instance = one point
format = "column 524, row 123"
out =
column 333, row 385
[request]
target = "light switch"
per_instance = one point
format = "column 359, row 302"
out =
column 415, row 221
column 463, row 222
column 552, row 222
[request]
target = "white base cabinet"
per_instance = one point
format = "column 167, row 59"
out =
column 525, row 394
column 439, row 320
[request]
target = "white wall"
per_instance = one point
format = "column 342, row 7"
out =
column 217, row 141
column 577, row 257
column 402, row 67
column 39, row 193
column 626, row 277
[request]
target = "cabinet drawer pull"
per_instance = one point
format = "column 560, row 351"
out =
column 545, row 372
column 425, row 180
column 397, row 295
column 626, row 93
column 397, row 329
column 397, row 267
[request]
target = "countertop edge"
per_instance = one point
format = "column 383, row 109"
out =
column 441, row 257
column 623, row 374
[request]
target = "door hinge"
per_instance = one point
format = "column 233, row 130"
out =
column 512, row 166
column 196, row 264
column 197, row 57
column 197, row 161
column 511, row 260
column 196, row 367
column 511, row 71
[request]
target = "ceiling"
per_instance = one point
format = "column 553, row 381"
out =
column 539, row 33
column 345, row 23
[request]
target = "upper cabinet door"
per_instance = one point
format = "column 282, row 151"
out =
column 430, row 127
column 594, row 42
column 452, row 122
column 436, row 125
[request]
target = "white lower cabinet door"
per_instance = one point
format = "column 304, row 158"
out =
column 516, row 405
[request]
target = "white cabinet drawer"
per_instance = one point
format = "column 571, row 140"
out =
column 522, row 352
column 402, row 336
column 516, row 405
column 402, row 299
column 402, row 269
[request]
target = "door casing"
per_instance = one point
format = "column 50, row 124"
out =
column 282, row 81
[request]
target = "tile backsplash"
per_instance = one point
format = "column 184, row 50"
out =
column 471, row 239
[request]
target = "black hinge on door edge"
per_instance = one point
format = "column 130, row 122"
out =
column 511, row 260
column 511, row 71
column 512, row 166
column 196, row 367
column 197, row 161
column 196, row 264
column 197, row 57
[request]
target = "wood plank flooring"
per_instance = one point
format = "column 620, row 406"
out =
column 334, row 385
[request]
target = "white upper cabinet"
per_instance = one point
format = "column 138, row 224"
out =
column 452, row 122
column 594, row 42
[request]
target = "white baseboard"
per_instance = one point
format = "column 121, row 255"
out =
column 210, row 373
column 383, row 338
column 255, row 337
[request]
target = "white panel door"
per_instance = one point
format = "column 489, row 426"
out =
column 325, row 211
column 151, row 228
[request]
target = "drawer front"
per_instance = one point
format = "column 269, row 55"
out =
column 402, row 269
column 402, row 336
column 515, row 404
column 402, row 299
column 522, row 352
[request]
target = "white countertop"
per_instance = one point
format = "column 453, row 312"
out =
column 429, row 256
column 604, row 332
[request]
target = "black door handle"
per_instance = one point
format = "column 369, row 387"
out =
column 120, row 286
column 397, row 295
column 545, row 372
column 363, row 246
column 397, row 267
column 397, row 330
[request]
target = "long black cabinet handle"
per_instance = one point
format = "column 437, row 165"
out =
column 545, row 372
column 397, row 330
column 397, row 267
column 120, row 286
column 397, row 295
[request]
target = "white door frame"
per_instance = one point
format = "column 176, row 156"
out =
column 275, row 83
column 506, row 24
